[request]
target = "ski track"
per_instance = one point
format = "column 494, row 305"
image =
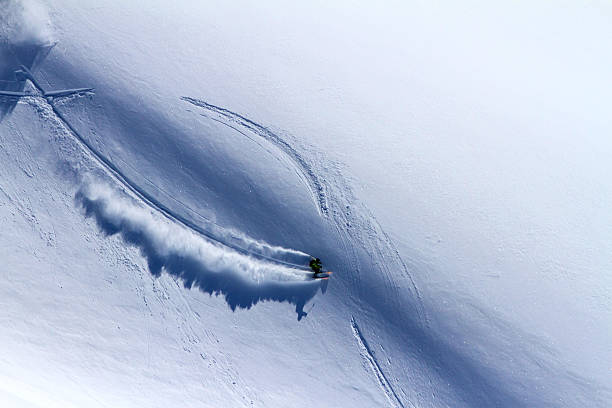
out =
column 316, row 184
column 140, row 193
column 306, row 171
column 366, row 353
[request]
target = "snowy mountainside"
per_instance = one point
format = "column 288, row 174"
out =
column 96, row 284
column 159, row 228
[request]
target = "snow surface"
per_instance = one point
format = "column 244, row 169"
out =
column 448, row 161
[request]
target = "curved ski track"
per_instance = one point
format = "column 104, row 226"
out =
column 306, row 172
column 133, row 187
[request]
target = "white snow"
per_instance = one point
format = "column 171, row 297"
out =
column 447, row 161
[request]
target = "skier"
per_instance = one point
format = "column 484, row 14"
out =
column 316, row 265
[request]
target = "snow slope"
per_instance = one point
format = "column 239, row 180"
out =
column 424, row 152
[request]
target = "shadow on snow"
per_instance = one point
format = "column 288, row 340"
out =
column 12, row 56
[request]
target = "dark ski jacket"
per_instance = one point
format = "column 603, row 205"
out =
column 315, row 265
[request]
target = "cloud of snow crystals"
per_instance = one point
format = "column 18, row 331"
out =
column 197, row 261
column 25, row 22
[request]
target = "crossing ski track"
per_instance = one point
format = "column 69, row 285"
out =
column 147, row 198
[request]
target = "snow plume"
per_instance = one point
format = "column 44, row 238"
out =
column 197, row 261
column 25, row 22
column 239, row 239
column 26, row 38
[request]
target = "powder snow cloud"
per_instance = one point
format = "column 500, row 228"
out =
column 25, row 22
column 199, row 262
